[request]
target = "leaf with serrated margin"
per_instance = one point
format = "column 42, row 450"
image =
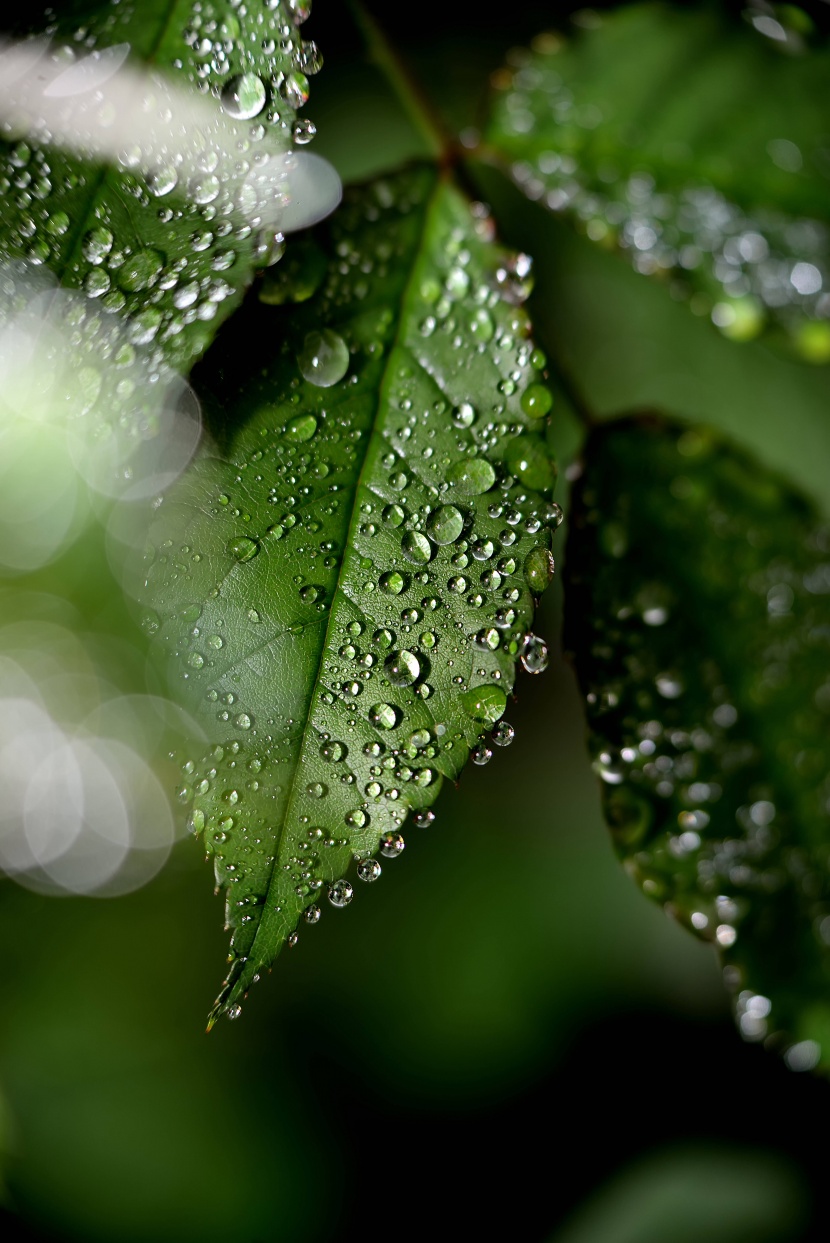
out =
column 698, row 610
column 689, row 142
column 346, row 591
column 171, row 254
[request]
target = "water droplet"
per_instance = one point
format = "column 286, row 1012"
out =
column 538, row 570
column 534, row 654
column 383, row 716
column 393, row 515
column 340, row 893
column 464, row 416
column 481, row 325
column 416, row 548
column 162, row 181
column 392, row 583
column 423, row 819
column 472, row 476
column 392, row 845
column 242, row 549
column 445, row 524
column 536, row 401
column 324, row 358
column 528, row 458
column 484, row 703
column 140, row 270
column 312, row 914
column 368, row 870
column 503, row 734
column 332, row 751
column 97, row 244
column 402, row 668
column 481, row 754
column 244, row 97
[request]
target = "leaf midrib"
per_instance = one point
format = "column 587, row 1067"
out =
column 382, row 404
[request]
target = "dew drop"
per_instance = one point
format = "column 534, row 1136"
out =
column 416, row 548
column 392, row 845
column 243, row 549
column 244, row 97
column 340, row 893
column 472, row 476
column 368, row 870
column 383, row 716
column 402, row 668
column 445, row 524
column 324, row 358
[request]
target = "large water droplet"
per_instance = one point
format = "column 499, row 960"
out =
column 472, row 476
column 383, row 716
column 484, row 703
column 402, row 668
column 340, row 893
column 324, row 358
column 445, row 524
column 244, row 97
column 416, row 548
column 243, row 549
column 140, row 270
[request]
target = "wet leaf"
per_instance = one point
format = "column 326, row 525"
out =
column 698, row 610
column 171, row 248
column 343, row 592
column 692, row 144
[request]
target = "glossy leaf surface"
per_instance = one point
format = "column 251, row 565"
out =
column 170, row 252
column 693, row 144
column 346, row 591
column 698, row 610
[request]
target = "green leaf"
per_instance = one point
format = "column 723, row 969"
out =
column 692, row 144
column 699, row 615
column 343, row 592
column 172, row 255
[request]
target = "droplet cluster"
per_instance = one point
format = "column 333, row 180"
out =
column 735, row 221
column 699, row 613
column 345, row 598
column 168, row 250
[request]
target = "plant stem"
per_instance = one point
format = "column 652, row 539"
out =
column 418, row 107
column 444, row 148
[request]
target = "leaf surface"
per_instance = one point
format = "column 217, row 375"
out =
column 698, row 610
column 170, row 253
column 696, row 147
column 345, row 592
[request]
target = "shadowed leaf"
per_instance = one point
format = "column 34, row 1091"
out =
column 699, row 615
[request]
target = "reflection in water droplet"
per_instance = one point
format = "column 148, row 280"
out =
column 383, row 716
column 392, row 845
column 368, row 870
column 244, row 97
column 340, row 893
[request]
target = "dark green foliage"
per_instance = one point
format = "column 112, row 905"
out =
column 698, row 611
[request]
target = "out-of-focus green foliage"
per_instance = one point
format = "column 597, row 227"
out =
column 693, row 145
column 697, row 609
